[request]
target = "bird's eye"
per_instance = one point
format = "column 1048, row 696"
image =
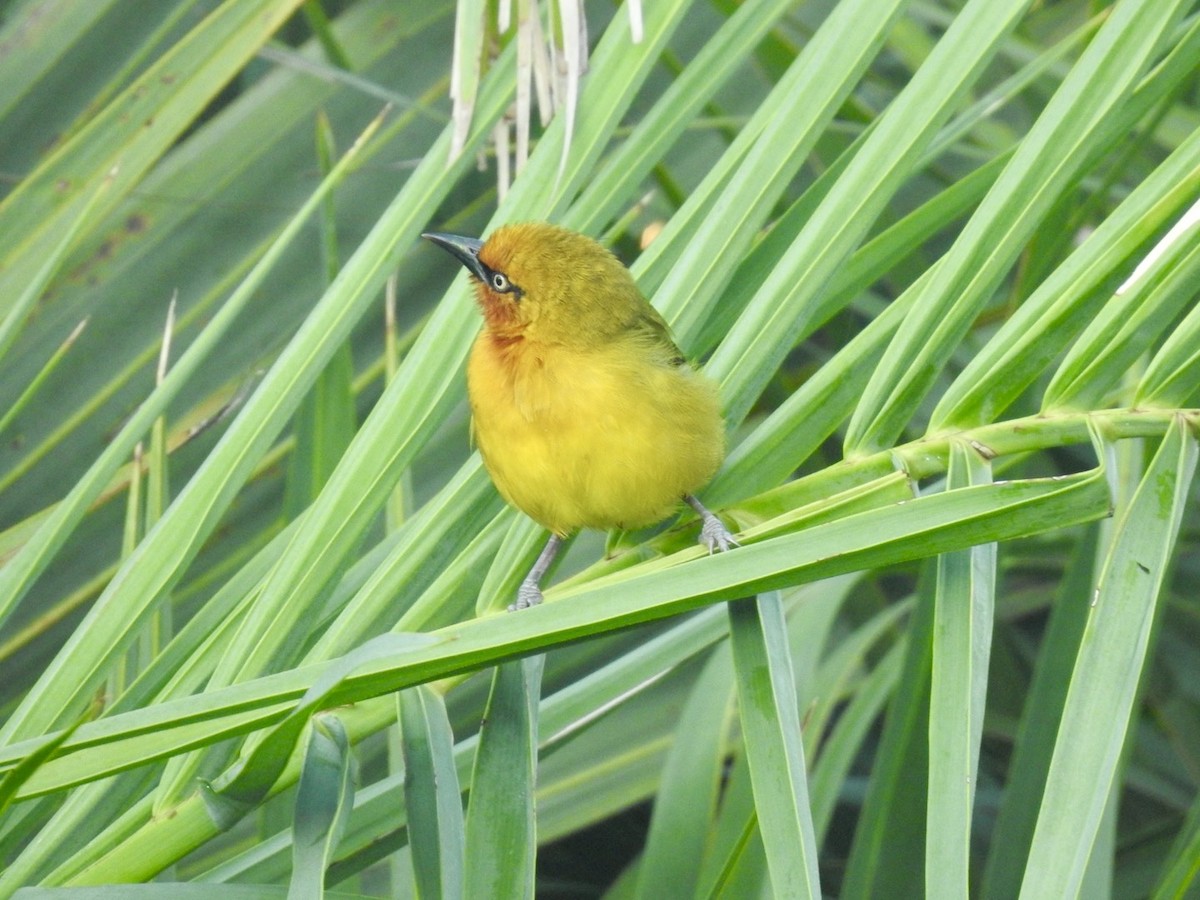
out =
column 500, row 282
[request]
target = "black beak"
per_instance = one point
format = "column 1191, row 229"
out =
column 464, row 249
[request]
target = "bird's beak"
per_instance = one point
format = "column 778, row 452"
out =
column 464, row 249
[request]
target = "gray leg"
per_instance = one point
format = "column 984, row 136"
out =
column 530, row 592
column 713, row 534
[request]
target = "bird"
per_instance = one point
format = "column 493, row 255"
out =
column 584, row 410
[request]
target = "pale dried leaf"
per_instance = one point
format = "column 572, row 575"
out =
column 635, row 20
column 574, row 33
column 524, row 80
column 543, row 71
column 500, row 137
column 464, row 73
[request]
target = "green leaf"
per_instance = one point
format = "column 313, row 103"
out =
column 686, row 803
column 431, row 794
column 325, row 422
column 170, row 890
column 314, row 14
column 37, row 37
column 736, row 864
column 1107, row 671
column 1171, row 376
column 21, row 772
column 248, row 783
column 14, row 319
column 888, row 852
column 501, row 833
column 35, row 384
column 845, row 742
column 1127, row 326
column 962, row 638
column 770, row 721
column 409, row 566
column 1184, row 864
column 1039, row 718
column 324, row 798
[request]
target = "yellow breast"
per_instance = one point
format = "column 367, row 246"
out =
column 596, row 438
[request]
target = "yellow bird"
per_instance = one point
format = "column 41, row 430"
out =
column 584, row 410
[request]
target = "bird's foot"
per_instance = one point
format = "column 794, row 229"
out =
column 713, row 533
column 528, row 594
column 715, row 536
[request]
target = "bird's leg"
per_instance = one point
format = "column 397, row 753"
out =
column 713, row 534
column 530, row 592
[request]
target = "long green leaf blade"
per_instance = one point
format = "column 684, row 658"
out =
column 962, row 637
column 501, row 841
column 770, row 721
column 431, row 794
column 323, row 801
column 1107, row 671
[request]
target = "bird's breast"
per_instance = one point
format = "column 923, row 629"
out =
column 591, row 437
column 525, row 393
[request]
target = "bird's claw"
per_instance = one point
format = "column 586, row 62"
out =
column 715, row 536
column 528, row 594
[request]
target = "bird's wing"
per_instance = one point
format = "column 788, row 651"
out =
column 653, row 328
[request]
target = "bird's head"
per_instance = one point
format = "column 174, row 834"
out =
column 539, row 281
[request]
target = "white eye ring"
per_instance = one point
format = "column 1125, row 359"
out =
column 500, row 282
